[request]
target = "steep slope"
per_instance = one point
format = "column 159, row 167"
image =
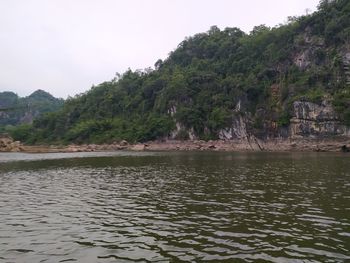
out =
column 15, row 110
column 283, row 82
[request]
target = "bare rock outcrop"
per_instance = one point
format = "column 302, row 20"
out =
column 138, row 147
column 346, row 66
column 7, row 144
column 311, row 120
column 238, row 129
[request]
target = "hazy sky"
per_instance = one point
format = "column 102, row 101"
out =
column 66, row 46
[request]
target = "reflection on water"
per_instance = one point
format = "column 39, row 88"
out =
column 161, row 207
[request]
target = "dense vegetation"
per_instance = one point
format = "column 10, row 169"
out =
column 201, row 83
column 15, row 110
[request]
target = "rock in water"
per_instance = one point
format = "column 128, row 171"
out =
column 345, row 149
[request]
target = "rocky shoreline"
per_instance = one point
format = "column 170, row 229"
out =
column 338, row 144
column 278, row 145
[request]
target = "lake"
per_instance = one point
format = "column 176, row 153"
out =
column 175, row 207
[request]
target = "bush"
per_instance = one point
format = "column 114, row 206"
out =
column 182, row 135
column 313, row 95
column 284, row 119
column 347, row 117
column 20, row 133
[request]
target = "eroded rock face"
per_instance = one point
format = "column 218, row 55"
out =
column 308, row 120
column 238, row 129
column 179, row 127
column 311, row 119
column 311, row 111
column 303, row 60
column 346, row 66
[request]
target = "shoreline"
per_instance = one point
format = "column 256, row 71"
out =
column 254, row 145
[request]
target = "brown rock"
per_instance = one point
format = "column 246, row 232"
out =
column 123, row 143
column 8, row 145
column 138, row 147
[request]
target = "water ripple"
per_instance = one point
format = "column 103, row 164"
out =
column 176, row 207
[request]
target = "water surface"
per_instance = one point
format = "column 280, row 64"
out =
column 175, row 207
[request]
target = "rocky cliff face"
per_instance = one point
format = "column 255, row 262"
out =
column 308, row 120
column 313, row 120
column 346, row 66
column 237, row 130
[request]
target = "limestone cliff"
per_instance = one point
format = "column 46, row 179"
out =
column 308, row 120
column 313, row 120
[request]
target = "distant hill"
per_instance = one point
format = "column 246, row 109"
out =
column 289, row 81
column 15, row 110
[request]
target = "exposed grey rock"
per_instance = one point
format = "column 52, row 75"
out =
column 303, row 60
column 179, row 127
column 311, row 111
column 346, row 66
column 237, row 130
column 311, row 119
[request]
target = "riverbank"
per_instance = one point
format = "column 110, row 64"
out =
column 277, row 145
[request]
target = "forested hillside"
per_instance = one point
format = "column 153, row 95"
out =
column 15, row 110
column 218, row 83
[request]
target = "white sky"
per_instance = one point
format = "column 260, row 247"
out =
column 66, row 46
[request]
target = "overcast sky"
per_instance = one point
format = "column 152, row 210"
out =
column 66, row 46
